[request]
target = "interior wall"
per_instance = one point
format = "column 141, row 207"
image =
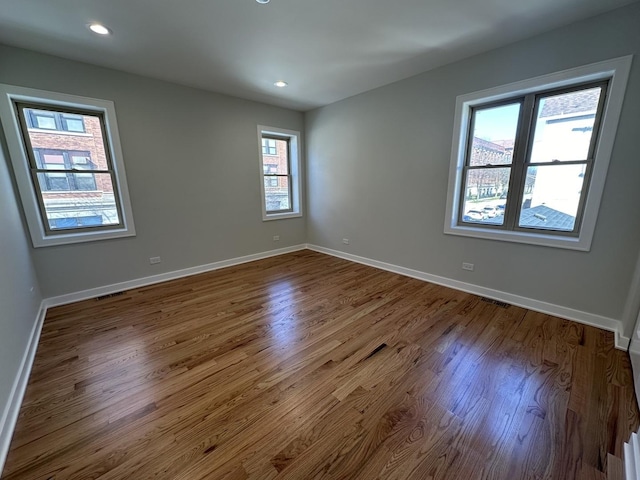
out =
column 378, row 166
column 192, row 165
column 19, row 304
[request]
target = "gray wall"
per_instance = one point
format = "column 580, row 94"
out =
column 378, row 167
column 18, row 304
column 192, row 165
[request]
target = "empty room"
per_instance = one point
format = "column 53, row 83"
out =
column 278, row 239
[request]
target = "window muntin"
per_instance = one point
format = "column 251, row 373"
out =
column 67, row 194
column 540, row 184
column 276, row 166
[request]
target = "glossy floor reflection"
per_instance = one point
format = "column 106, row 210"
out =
column 306, row 366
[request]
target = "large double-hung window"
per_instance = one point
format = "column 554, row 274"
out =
column 67, row 160
column 530, row 159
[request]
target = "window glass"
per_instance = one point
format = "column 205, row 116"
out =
column 484, row 199
column 494, row 135
column 67, row 196
column 44, row 120
column 73, row 123
column 552, row 197
column 277, row 194
column 269, row 147
column 564, row 125
column 276, row 168
column 74, row 196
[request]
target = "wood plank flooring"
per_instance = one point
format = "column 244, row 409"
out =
column 305, row 366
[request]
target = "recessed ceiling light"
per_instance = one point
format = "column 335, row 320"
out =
column 99, row 29
column 263, row 1
column 281, row 84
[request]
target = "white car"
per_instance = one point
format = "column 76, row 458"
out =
column 490, row 212
column 473, row 215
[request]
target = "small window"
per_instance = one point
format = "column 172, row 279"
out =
column 72, row 123
column 529, row 160
column 269, row 146
column 52, row 120
column 280, row 167
column 72, row 187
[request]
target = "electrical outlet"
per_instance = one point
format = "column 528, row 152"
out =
column 276, row 238
column 467, row 266
column 154, row 260
column 345, row 241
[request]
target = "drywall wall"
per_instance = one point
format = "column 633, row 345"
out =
column 19, row 305
column 192, row 166
column 378, row 166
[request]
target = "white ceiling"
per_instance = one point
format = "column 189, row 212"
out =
column 327, row 49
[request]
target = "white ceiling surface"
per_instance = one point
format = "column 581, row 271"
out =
column 327, row 49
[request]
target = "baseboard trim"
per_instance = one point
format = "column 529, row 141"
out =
column 164, row 277
column 12, row 409
column 587, row 318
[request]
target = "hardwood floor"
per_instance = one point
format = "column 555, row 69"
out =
column 305, row 366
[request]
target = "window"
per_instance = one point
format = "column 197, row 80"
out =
column 269, row 146
column 66, row 156
column 52, row 120
column 70, row 161
column 280, row 171
column 529, row 160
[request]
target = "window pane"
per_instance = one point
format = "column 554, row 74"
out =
column 269, row 147
column 83, row 152
column 552, row 196
column 73, row 123
column 277, row 196
column 494, row 134
column 86, row 195
column 275, row 156
column 54, row 181
column 44, row 120
column 84, row 181
column 564, row 126
column 53, row 161
column 485, row 193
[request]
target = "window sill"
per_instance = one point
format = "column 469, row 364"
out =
column 571, row 243
column 77, row 237
column 280, row 216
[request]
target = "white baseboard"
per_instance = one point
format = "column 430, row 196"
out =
column 163, row 277
column 12, row 409
column 587, row 318
column 622, row 342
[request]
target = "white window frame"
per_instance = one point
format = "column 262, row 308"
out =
column 617, row 72
column 295, row 149
column 20, row 163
